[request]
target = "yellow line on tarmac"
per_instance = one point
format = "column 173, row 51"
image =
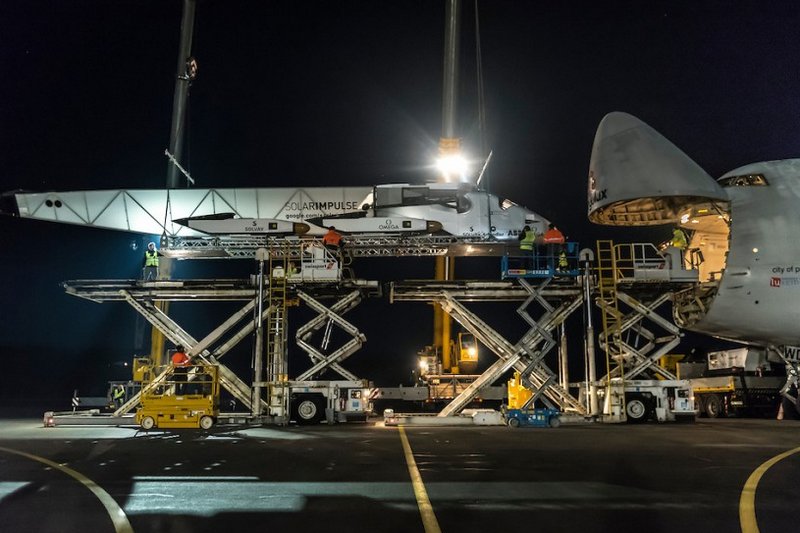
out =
column 747, row 501
column 425, row 508
column 115, row 512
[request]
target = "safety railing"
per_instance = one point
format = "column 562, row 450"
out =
column 643, row 261
column 543, row 261
column 190, row 380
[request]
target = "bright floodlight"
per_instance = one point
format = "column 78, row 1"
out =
column 452, row 166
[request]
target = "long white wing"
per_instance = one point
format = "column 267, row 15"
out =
column 153, row 211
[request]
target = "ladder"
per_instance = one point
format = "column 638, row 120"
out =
column 608, row 303
column 627, row 341
column 277, row 377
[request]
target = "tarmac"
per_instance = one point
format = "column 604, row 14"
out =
column 706, row 476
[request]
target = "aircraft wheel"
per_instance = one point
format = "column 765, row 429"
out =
column 714, row 406
column 637, row 410
column 513, row 422
column 206, row 422
column 148, row 422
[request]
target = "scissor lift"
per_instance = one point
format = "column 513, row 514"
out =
column 186, row 397
column 633, row 379
column 265, row 310
column 555, row 303
column 547, row 304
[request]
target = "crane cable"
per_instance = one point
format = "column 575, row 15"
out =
column 481, row 92
column 485, row 153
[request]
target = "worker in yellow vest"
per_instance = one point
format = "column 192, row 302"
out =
column 679, row 239
column 526, row 239
column 119, row 396
column 150, row 271
column 563, row 263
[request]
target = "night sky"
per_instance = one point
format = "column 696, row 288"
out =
column 345, row 93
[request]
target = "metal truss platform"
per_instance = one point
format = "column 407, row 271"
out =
column 477, row 290
column 200, row 290
column 244, row 247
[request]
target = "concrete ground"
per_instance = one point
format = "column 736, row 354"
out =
column 685, row 477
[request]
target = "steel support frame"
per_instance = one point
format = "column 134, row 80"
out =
column 525, row 356
column 327, row 317
column 637, row 357
column 175, row 333
column 792, row 362
column 244, row 247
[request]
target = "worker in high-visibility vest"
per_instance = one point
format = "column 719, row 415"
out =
column 332, row 239
column 119, row 395
column 679, row 239
column 672, row 250
column 563, row 264
column 180, row 362
column 553, row 235
column 150, row 271
column 526, row 239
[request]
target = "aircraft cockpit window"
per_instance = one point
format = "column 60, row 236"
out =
column 415, row 195
column 395, row 196
column 407, row 196
column 507, row 204
column 747, row 180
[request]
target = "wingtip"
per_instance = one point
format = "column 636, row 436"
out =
column 8, row 204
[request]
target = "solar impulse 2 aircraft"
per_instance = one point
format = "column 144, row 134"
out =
column 457, row 209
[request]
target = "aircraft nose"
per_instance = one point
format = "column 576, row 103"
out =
column 301, row 228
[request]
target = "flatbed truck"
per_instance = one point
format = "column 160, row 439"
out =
column 739, row 382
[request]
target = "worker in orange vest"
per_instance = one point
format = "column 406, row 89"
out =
column 554, row 240
column 180, row 362
column 333, row 239
column 179, row 358
column 553, row 235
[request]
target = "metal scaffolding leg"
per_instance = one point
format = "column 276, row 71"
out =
column 240, row 335
column 326, row 316
column 791, row 358
column 641, row 354
column 171, row 330
column 525, row 356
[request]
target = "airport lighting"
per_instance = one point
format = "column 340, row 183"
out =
column 453, row 167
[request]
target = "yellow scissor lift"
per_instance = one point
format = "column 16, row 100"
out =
column 186, row 397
